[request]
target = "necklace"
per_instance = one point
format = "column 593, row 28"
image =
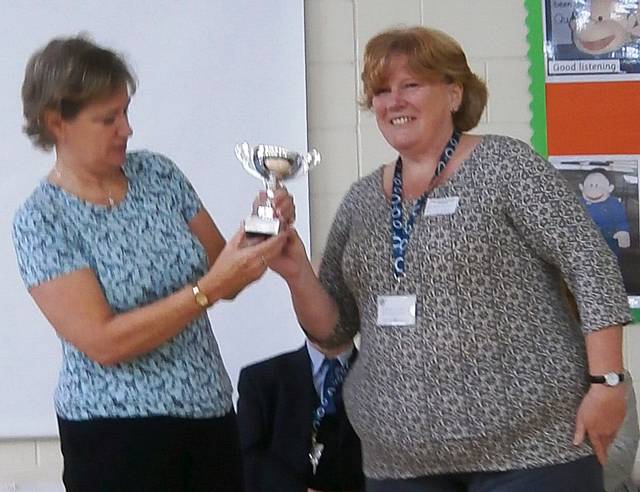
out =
column 110, row 200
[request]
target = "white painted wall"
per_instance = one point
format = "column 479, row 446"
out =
column 195, row 119
column 493, row 34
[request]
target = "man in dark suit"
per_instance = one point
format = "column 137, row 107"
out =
column 287, row 401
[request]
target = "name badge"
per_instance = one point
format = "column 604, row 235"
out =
column 397, row 310
column 441, row 206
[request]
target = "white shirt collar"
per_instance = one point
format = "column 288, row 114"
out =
column 317, row 357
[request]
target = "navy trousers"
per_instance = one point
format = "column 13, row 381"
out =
column 584, row 475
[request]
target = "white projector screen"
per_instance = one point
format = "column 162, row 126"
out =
column 211, row 73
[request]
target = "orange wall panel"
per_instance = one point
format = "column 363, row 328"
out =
column 593, row 118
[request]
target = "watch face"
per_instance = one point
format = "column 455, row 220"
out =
column 202, row 299
column 611, row 379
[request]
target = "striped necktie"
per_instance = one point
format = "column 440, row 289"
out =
column 332, row 387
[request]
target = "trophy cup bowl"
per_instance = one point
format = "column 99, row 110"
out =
column 272, row 164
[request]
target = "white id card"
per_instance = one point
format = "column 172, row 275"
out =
column 397, row 310
column 441, row 206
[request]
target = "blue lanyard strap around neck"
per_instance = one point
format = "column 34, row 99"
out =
column 400, row 233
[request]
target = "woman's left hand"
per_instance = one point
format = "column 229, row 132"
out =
column 599, row 417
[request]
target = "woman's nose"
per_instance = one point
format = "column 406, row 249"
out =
column 395, row 97
column 125, row 127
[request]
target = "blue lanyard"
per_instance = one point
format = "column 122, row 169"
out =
column 327, row 398
column 321, row 410
column 400, row 233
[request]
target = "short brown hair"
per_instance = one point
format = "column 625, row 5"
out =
column 434, row 56
column 66, row 75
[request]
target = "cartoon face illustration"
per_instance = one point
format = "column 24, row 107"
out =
column 596, row 188
column 606, row 210
column 603, row 27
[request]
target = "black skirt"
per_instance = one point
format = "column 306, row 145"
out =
column 151, row 454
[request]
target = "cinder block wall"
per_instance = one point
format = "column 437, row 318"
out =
column 493, row 34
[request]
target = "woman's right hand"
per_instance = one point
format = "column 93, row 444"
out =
column 241, row 262
column 292, row 260
column 599, row 418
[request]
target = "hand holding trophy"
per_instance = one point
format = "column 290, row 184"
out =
column 272, row 165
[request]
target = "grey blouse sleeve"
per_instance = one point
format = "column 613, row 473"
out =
column 552, row 221
column 331, row 275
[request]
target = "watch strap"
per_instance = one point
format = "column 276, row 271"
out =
column 603, row 379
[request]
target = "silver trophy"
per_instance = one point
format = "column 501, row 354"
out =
column 272, row 164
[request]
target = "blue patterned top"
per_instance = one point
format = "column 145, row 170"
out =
column 140, row 250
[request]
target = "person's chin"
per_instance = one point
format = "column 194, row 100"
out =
column 119, row 156
column 402, row 144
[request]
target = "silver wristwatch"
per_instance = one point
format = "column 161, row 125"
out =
column 609, row 379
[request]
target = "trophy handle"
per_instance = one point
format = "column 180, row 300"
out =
column 244, row 155
column 311, row 160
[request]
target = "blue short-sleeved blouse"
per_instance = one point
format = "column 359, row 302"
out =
column 140, row 250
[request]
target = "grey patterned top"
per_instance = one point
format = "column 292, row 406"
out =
column 141, row 250
column 492, row 373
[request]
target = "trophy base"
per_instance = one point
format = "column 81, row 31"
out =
column 261, row 226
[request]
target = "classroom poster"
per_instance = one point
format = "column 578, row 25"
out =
column 585, row 90
column 591, row 40
column 607, row 185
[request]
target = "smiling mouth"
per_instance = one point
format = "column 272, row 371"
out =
column 594, row 198
column 402, row 120
column 598, row 44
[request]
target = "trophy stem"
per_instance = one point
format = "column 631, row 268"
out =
column 265, row 221
column 272, row 186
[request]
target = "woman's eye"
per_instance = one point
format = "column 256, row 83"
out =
column 109, row 121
